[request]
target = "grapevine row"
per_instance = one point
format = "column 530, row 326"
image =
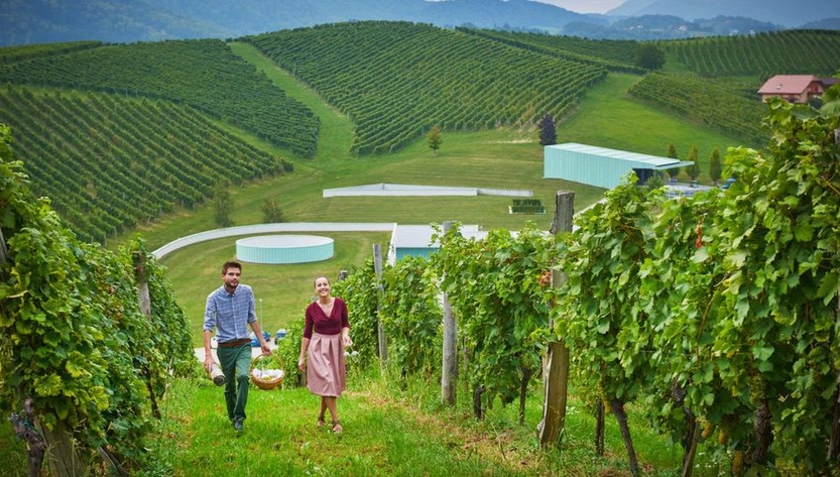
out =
column 614, row 55
column 11, row 54
column 814, row 52
column 704, row 102
column 204, row 74
column 71, row 314
column 109, row 163
column 396, row 80
column 715, row 314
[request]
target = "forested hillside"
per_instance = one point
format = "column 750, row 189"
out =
column 397, row 80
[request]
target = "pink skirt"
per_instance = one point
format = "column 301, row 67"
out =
column 325, row 365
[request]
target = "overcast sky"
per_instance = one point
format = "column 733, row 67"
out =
column 585, row 6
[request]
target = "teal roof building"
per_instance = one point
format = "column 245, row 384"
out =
column 599, row 166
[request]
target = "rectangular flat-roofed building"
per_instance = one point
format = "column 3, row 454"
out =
column 599, row 166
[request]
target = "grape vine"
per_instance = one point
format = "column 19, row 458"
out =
column 75, row 341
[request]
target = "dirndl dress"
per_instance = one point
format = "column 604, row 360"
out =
column 325, row 370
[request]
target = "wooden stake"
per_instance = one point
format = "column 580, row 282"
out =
column 556, row 373
column 449, row 373
column 377, row 267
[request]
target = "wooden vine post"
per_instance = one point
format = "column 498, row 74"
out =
column 146, row 307
column 557, row 361
column 380, row 330
column 449, row 372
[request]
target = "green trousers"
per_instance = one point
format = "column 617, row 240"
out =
column 236, row 363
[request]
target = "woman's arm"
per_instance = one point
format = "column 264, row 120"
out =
column 304, row 345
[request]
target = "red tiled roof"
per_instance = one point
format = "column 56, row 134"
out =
column 787, row 84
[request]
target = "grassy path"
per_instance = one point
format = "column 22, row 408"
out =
column 336, row 130
column 387, row 432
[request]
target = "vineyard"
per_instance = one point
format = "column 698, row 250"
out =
column 108, row 162
column 204, row 74
column 614, row 55
column 763, row 55
column 396, row 80
column 716, row 314
column 10, row 54
column 705, row 102
column 85, row 362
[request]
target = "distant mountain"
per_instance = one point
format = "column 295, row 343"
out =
column 127, row 21
column 827, row 24
column 783, row 12
column 667, row 27
column 124, row 21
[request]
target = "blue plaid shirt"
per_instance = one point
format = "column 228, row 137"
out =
column 230, row 313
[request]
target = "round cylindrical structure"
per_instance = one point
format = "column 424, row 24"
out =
column 280, row 249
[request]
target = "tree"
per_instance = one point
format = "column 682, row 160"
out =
column 715, row 166
column 223, row 204
column 548, row 133
column 831, row 99
column 433, row 139
column 271, row 212
column 655, row 181
column 693, row 170
column 674, row 171
column 649, row 56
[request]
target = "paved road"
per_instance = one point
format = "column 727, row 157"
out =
column 272, row 228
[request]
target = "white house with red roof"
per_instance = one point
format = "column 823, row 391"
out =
column 792, row 88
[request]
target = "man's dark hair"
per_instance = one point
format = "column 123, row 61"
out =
column 231, row 264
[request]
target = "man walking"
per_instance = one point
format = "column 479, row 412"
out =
column 230, row 309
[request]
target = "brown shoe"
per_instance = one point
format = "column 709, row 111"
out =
column 321, row 422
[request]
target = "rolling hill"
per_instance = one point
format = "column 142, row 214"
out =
column 159, row 117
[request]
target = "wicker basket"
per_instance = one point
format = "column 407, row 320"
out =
column 264, row 363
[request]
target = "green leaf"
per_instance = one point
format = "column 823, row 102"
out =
column 763, row 353
column 48, row 386
column 737, row 258
column 803, row 232
column 828, row 287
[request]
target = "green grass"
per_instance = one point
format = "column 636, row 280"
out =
column 389, row 430
column 282, row 291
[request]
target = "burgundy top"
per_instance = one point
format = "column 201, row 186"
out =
column 319, row 322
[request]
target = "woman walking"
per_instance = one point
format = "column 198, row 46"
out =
column 325, row 335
